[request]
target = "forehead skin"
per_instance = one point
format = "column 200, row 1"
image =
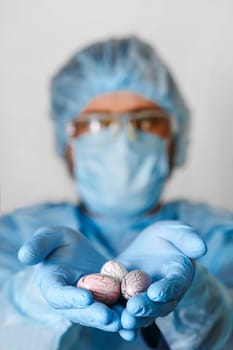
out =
column 118, row 103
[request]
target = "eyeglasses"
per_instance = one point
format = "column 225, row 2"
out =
column 152, row 121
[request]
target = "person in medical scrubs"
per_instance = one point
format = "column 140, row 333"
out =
column 122, row 128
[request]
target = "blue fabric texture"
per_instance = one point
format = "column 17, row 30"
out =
column 202, row 319
column 128, row 64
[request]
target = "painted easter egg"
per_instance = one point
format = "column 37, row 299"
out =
column 134, row 282
column 104, row 288
column 114, row 269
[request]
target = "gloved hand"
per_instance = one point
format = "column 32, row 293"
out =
column 165, row 251
column 64, row 256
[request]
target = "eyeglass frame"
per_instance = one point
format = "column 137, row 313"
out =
column 120, row 118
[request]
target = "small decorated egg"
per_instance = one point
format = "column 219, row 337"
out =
column 134, row 282
column 104, row 288
column 114, row 269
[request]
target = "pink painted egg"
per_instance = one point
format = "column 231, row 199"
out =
column 114, row 269
column 104, row 288
column 134, row 282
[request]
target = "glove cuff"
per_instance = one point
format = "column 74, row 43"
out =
column 203, row 318
column 24, row 312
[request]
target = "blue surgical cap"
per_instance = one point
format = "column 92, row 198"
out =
column 127, row 64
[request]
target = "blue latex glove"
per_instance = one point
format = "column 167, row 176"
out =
column 165, row 251
column 64, row 256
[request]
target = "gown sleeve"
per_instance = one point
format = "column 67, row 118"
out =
column 26, row 321
column 204, row 317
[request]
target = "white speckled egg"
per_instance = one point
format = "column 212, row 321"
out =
column 134, row 282
column 104, row 288
column 114, row 269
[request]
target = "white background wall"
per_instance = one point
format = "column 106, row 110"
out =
column 36, row 37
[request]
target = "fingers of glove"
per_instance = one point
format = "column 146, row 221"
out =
column 140, row 305
column 118, row 309
column 178, row 274
column 131, row 322
column 96, row 315
column 182, row 236
column 128, row 335
column 168, row 289
column 59, row 295
column 44, row 241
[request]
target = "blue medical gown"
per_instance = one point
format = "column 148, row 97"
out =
column 202, row 320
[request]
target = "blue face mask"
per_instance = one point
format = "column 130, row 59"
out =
column 118, row 176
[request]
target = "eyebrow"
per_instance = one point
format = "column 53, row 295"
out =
column 136, row 109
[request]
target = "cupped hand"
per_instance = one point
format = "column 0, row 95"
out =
column 166, row 251
column 63, row 256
